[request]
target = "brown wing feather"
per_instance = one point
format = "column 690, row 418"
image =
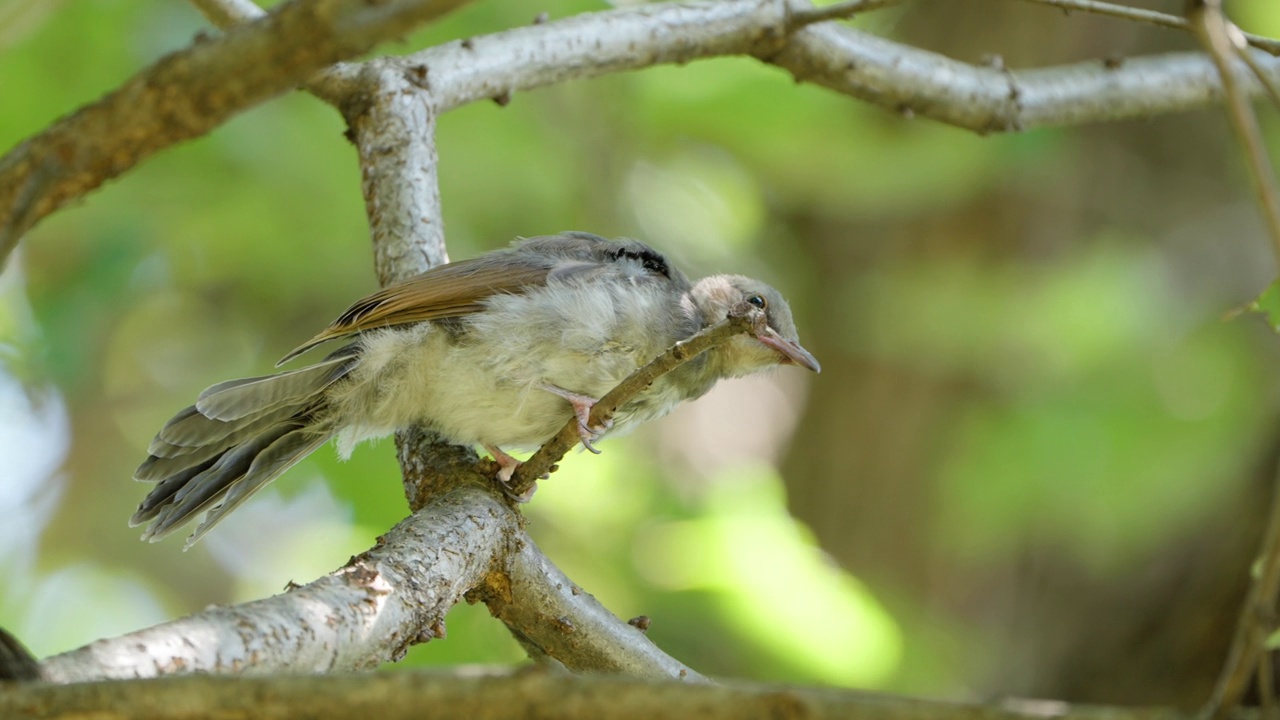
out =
column 447, row 291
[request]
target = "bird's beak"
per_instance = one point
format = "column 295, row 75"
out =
column 791, row 351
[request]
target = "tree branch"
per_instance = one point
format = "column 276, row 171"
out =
column 384, row 600
column 228, row 13
column 428, row 695
column 187, row 94
column 1247, row 657
column 1124, row 12
column 393, row 125
column 547, row 610
column 596, row 44
column 1215, row 34
column 986, row 99
column 367, row 613
column 889, row 74
column 331, row 84
column 1257, row 617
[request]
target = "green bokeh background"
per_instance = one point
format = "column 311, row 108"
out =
column 1035, row 461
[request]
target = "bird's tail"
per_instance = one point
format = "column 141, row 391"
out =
column 240, row 435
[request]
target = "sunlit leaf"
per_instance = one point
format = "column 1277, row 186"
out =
column 1268, row 304
column 1273, row 640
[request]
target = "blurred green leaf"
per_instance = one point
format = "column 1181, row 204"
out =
column 1273, row 641
column 1268, row 304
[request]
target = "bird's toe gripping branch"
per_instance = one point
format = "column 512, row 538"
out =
column 582, row 406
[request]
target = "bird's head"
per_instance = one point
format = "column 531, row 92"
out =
column 778, row 343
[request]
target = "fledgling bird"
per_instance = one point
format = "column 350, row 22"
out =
column 500, row 351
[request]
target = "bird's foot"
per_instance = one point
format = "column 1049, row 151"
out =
column 582, row 405
column 507, row 466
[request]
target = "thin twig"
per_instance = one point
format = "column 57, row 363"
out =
column 1152, row 17
column 741, row 319
column 1259, row 72
column 1215, row 33
column 1253, row 625
column 1256, row 618
column 1119, row 11
column 1266, row 686
column 838, row 11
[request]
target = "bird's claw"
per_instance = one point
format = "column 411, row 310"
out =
column 523, row 497
column 582, row 405
column 507, row 467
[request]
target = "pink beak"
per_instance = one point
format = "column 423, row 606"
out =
column 790, row 350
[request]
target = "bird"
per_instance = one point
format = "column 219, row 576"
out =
column 500, row 350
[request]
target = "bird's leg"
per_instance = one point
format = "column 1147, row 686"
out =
column 506, row 468
column 582, row 405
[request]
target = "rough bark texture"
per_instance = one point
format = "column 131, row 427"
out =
column 529, row 694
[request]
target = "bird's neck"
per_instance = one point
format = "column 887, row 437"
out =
column 696, row 377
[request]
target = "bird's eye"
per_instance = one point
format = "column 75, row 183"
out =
column 758, row 301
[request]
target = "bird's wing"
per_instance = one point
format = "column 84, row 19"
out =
column 460, row 288
column 447, row 291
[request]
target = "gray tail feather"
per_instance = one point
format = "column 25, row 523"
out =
column 238, row 437
column 237, row 399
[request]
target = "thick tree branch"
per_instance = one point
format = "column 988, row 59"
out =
column 428, row 695
column 332, row 84
column 393, row 125
column 367, row 613
column 883, row 72
column 396, row 594
column 601, row 43
column 547, row 610
column 986, row 99
column 188, row 93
